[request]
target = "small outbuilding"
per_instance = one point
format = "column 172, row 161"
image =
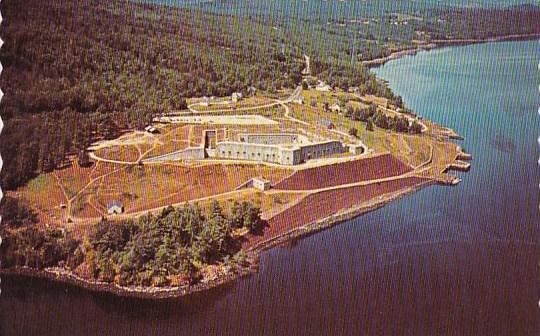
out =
column 335, row 108
column 115, row 208
column 236, row 97
column 205, row 101
column 261, row 183
column 151, row 129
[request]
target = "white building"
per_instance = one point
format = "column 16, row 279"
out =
column 335, row 108
column 150, row 129
column 205, row 101
column 261, row 184
column 236, row 97
column 115, row 208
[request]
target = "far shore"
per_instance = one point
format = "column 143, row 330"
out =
column 446, row 43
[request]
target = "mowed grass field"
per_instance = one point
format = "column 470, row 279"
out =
column 88, row 190
column 127, row 153
column 171, row 139
column 152, row 186
column 45, row 195
column 48, row 192
column 219, row 104
column 139, row 188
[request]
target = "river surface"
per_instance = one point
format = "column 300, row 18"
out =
column 444, row 261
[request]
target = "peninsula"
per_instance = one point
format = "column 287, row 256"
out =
column 157, row 172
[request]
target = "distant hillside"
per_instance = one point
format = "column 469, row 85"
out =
column 339, row 30
column 75, row 71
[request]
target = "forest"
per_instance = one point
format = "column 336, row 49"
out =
column 171, row 248
column 353, row 31
column 373, row 117
column 78, row 71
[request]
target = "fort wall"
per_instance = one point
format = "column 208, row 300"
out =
column 269, row 139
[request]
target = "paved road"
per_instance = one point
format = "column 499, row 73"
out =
column 275, row 191
column 294, row 95
column 307, row 70
column 96, row 158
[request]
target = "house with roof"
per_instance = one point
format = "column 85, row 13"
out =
column 115, row 208
column 151, row 129
column 236, row 97
column 205, row 101
column 335, row 108
column 261, row 183
column 322, row 87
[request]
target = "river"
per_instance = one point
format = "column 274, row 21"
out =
column 446, row 260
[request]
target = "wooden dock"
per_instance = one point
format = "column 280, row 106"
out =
column 447, row 179
column 460, row 166
column 462, row 155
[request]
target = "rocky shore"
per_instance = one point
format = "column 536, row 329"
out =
column 67, row 276
column 445, row 43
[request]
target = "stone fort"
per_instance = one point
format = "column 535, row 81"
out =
column 279, row 148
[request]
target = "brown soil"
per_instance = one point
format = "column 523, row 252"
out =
column 345, row 173
column 120, row 153
column 324, row 204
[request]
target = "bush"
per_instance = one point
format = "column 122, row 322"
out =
column 16, row 213
column 369, row 125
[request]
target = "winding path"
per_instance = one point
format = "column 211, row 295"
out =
column 417, row 171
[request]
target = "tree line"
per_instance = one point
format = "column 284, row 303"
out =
column 75, row 72
column 74, row 68
column 375, row 117
column 154, row 250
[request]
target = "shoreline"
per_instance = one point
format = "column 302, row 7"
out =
column 435, row 44
column 64, row 276
column 60, row 275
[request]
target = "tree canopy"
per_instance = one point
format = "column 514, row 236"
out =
column 151, row 250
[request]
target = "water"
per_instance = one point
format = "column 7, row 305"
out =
column 460, row 261
column 281, row 11
column 260, row 6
